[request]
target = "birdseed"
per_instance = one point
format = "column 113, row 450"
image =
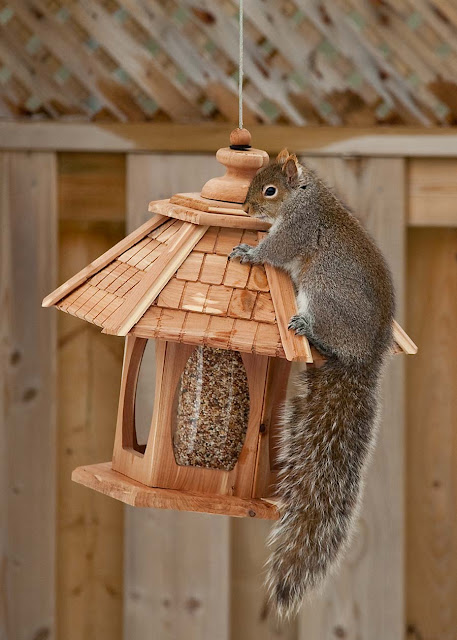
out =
column 212, row 410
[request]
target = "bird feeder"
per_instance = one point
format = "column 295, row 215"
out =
column 223, row 350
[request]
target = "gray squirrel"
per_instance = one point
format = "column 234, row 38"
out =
column 345, row 302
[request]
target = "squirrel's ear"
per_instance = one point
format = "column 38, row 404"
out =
column 292, row 169
column 282, row 156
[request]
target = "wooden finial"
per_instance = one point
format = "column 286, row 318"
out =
column 240, row 138
column 242, row 163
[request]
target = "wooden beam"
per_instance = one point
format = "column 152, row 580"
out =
column 201, row 138
column 432, row 187
column 28, row 253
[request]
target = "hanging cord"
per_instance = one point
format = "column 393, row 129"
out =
column 240, row 147
column 240, row 69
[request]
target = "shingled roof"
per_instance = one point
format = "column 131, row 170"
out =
column 172, row 279
column 216, row 302
column 206, row 300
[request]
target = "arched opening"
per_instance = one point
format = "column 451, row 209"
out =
column 144, row 398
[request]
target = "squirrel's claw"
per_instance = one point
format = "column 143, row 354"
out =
column 300, row 325
column 243, row 252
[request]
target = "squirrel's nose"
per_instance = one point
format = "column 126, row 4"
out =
column 246, row 207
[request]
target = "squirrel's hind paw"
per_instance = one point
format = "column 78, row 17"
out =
column 300, row 325
column 244, row 252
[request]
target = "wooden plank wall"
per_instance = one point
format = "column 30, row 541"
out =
column 28, row 211
column 176, row 575
column 91, row 196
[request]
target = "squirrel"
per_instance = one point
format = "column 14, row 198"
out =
column 345, row 302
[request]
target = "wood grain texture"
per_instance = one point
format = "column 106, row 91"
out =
column 176, row 568
column 169, row 138
column 159, row 177
column 366, row 598
column 89, row 527
column 241, row 167
column 101, row 261
column 285, row 305
column 336, row 63
column 102, row 478
column 403, row 343
column 250, row 619
column 431, row 550
column 155, row 279
column 207, row 218
column 176, row 564
column 158, row 467
column 432, row 187
column 91, row 186
column 196, row 201
column 28, row 237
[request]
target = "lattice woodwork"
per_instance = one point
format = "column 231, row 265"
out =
column 335, row 62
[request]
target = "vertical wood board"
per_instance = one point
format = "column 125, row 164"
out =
column 176, row 564
column 366, row 597
column 432, row 192
column 249, row 613
column 91, row 186
column 89, row 526
column 28, row 193
column 431, row 550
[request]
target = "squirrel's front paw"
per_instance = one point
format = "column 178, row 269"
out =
column 244, row 252
column 300, row 325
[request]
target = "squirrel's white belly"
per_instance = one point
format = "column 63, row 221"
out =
column 302, row 302
column 294, row 268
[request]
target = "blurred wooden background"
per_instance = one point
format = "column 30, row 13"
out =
column 76, row 564
column 335, row 62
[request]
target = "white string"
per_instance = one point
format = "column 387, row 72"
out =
column 240, row 70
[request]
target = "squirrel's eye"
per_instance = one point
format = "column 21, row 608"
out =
column 270, row 191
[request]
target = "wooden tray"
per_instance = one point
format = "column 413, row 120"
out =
column 103, row 479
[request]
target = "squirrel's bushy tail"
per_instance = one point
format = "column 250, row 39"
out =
column 328, row 431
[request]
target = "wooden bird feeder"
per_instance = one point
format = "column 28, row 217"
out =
column 223, row 350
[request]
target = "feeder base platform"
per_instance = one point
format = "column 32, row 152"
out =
column 103, row 479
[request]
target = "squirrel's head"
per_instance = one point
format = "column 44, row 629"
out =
column 274, row 184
